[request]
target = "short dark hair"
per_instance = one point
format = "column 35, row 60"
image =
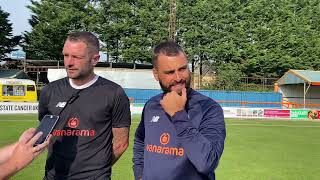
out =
column 87, row 37
column 168, row 48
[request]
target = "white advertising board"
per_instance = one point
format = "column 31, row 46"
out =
column 18, row 107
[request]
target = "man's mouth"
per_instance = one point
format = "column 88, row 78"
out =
column 179, row 85
column 71, row 69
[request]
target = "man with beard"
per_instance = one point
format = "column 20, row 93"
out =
column 182, row 132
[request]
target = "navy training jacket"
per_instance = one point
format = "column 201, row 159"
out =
column 186, row 146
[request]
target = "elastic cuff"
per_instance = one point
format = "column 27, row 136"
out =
column 179, row 115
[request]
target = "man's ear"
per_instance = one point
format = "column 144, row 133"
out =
column 95, row 59
column 155, row 74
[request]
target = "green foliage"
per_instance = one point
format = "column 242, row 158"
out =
column 51, row 21
column 131, row 28
column 282, row 37
column 7, row 41
column 263, row 37
column 228, row 78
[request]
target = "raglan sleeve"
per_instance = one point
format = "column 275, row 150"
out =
column 121, row 116
column 203, row 145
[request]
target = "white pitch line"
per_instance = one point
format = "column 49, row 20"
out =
column 272, row 125
column 15, row 120
column 228, row 124
column 263, row 125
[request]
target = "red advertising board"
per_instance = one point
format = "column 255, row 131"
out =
column 278, row 113
column 313, row 114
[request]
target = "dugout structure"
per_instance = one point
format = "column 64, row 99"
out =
column 300, row 88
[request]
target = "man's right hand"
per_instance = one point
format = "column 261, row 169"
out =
column 172, row 102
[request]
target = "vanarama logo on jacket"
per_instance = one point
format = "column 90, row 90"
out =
column 72, row 130
column 163, row 149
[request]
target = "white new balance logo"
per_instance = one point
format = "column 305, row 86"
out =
column 155, row 119
column 61, row 104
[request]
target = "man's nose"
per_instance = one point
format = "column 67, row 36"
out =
column 177, row 77
column 69, row 61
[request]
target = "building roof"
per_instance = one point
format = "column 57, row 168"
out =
column 300, row 77
column 13, row 81
column 14, row 73
column 100, row 64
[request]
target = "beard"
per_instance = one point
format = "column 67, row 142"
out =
column 166, row 89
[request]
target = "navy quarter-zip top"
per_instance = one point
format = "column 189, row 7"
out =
column 186, row 146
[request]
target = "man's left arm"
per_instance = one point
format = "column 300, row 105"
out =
column 121, row 121
column 203, row 145
column 120, row 142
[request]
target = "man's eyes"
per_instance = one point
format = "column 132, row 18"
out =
column 74, row 57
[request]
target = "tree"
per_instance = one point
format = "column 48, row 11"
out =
column 131, row 28
column 7, row 41
column 282, row 37
column 264, row 38
column 209, row 31
column 51, row 22
column 228, row 77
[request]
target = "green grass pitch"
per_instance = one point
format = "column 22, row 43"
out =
column 254, row 150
